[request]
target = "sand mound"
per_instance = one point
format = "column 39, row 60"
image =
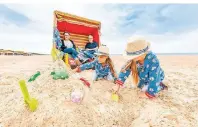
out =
column 175, row 108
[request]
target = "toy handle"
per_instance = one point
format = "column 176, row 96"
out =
column 85, row 82
column 24, row 90
column 33, row 77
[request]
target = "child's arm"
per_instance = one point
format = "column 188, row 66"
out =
column 123, row 75
column 86, row 66
column 122, row 78
column 95, row 48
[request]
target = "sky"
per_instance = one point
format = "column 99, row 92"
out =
column 170, row 28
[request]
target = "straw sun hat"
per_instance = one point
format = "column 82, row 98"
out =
column 103, row 50
column 135, row 48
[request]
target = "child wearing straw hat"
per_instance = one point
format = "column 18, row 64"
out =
column 103, row 65
column 144, row 67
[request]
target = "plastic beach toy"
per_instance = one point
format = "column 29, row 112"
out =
column 31, row 102
column 60, row 75
column 76, row 96
column 115, row 97
column 33, row 77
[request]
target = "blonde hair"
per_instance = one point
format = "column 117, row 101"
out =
column 133, row 66
column 134, row 74
column 111, row 65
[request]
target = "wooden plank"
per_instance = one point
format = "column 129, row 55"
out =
column 78, row 23
column 76, row 35
column 77, row 41
column 82, row 46
column 76, row 18
column 80, row 42
column 77, row 38
column 84, row 40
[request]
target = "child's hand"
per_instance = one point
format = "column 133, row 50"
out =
column 118, row 88
column 114, row 89
column 118, row 83
column 77, row 69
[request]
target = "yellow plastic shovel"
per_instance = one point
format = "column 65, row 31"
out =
column 31, row 102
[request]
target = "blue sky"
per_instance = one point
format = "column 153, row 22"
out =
column 12, row 17
column 171, row 28
column 158, row 19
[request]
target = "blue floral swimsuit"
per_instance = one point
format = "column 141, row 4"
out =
column 100, row 71
column 150, row 74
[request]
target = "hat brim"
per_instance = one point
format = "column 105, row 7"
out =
column 101, row 54
column 130, row 57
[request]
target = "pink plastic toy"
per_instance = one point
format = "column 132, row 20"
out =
column 77, row 96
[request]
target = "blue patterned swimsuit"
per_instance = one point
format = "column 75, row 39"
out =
column 100, row 71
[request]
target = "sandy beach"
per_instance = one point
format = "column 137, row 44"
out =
column 177, row 107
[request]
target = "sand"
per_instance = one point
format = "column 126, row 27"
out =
column 177, row 107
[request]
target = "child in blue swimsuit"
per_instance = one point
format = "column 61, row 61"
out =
column 144, row 67
column 103, row 65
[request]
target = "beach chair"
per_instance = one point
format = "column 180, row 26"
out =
column 79, row 29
